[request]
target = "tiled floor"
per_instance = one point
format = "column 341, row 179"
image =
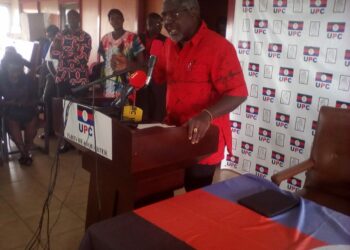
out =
column 23, row 191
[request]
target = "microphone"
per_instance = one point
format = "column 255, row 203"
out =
column 88, row 85
column 136, row 81
column 151, row 63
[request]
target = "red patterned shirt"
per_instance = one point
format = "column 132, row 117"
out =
column 73, row 55
column 197, row 76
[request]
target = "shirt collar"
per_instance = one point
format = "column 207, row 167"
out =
column 199, row 34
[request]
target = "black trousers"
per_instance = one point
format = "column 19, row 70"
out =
column 199, row 176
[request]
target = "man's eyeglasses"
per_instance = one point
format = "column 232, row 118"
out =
column 172, row 15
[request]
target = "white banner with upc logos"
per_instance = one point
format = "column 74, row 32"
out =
column 295, row 56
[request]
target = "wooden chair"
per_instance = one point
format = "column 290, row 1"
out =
column 328, row 168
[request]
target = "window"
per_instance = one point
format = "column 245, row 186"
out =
column 5, row 21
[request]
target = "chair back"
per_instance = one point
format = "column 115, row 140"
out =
column 331, row 154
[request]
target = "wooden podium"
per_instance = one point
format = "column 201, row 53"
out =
column 145, row 162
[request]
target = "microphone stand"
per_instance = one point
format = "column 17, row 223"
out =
column 91, row 84
column 123, row 97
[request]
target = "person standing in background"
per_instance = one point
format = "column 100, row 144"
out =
column 154, row 96
column 71, row 47
column 48, row 68
column 119, row 42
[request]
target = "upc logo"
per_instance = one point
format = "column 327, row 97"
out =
column 282, row 120
column 347, row 58
column 335, row 30
column 247, row 148
column 323, row 80
column 293, row 184
column 236, row 127
column 247, row 6
column 253, row 69
column 274, row 50
column 86, row 120
column 264, row 135
column 286, row 74
column 277, row 159
column 297, row 145
column 260, row 26
column 295, row 28
column 304, row 101
column 279, row 6
column 269, row 95
column 232, row 161
column 244, row 47
column 252, row 112
column 311, row 54
column 342, row 105
column 261, row 171
column 318, row 6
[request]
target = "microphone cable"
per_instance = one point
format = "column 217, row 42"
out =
column 36, row 240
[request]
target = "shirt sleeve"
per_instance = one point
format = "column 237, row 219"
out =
column 137, row 45
column 226, row 71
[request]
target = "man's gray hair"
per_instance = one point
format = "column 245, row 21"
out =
column 188, row 4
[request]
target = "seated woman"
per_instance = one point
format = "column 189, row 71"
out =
column 18, row 99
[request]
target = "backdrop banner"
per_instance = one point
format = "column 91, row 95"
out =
column 295, row 56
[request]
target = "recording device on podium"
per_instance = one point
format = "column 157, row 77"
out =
column 130, row 112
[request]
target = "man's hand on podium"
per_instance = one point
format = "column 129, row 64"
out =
column 198, row 127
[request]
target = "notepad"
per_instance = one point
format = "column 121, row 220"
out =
column 269, row 202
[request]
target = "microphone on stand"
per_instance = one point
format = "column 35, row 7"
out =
column 136, row 81
column 151, row 63
column 86, row 86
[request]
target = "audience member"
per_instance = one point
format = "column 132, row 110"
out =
column 71, row 48
column 18, row 98
column 153, row 97
column 116, row 43
column 47, row 88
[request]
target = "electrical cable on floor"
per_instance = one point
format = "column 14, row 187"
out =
column 36, row 240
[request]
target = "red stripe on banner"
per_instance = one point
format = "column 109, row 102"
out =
column 205, row 221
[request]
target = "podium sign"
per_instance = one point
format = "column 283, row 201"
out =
column 85, row 126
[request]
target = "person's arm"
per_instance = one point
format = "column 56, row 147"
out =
column 56, row 47
column 120, row 61
column 202, row 121
column 138, row 50
column 101, row 51
column 228, row 80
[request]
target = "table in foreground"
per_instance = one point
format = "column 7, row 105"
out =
column 211, row 218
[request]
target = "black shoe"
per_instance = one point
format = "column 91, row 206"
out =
column 65, row 148
column 42, row 136
column 25, row 160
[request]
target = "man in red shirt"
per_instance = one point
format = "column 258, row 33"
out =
column 204, row 79
column 152, row 98
column 204, row 82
